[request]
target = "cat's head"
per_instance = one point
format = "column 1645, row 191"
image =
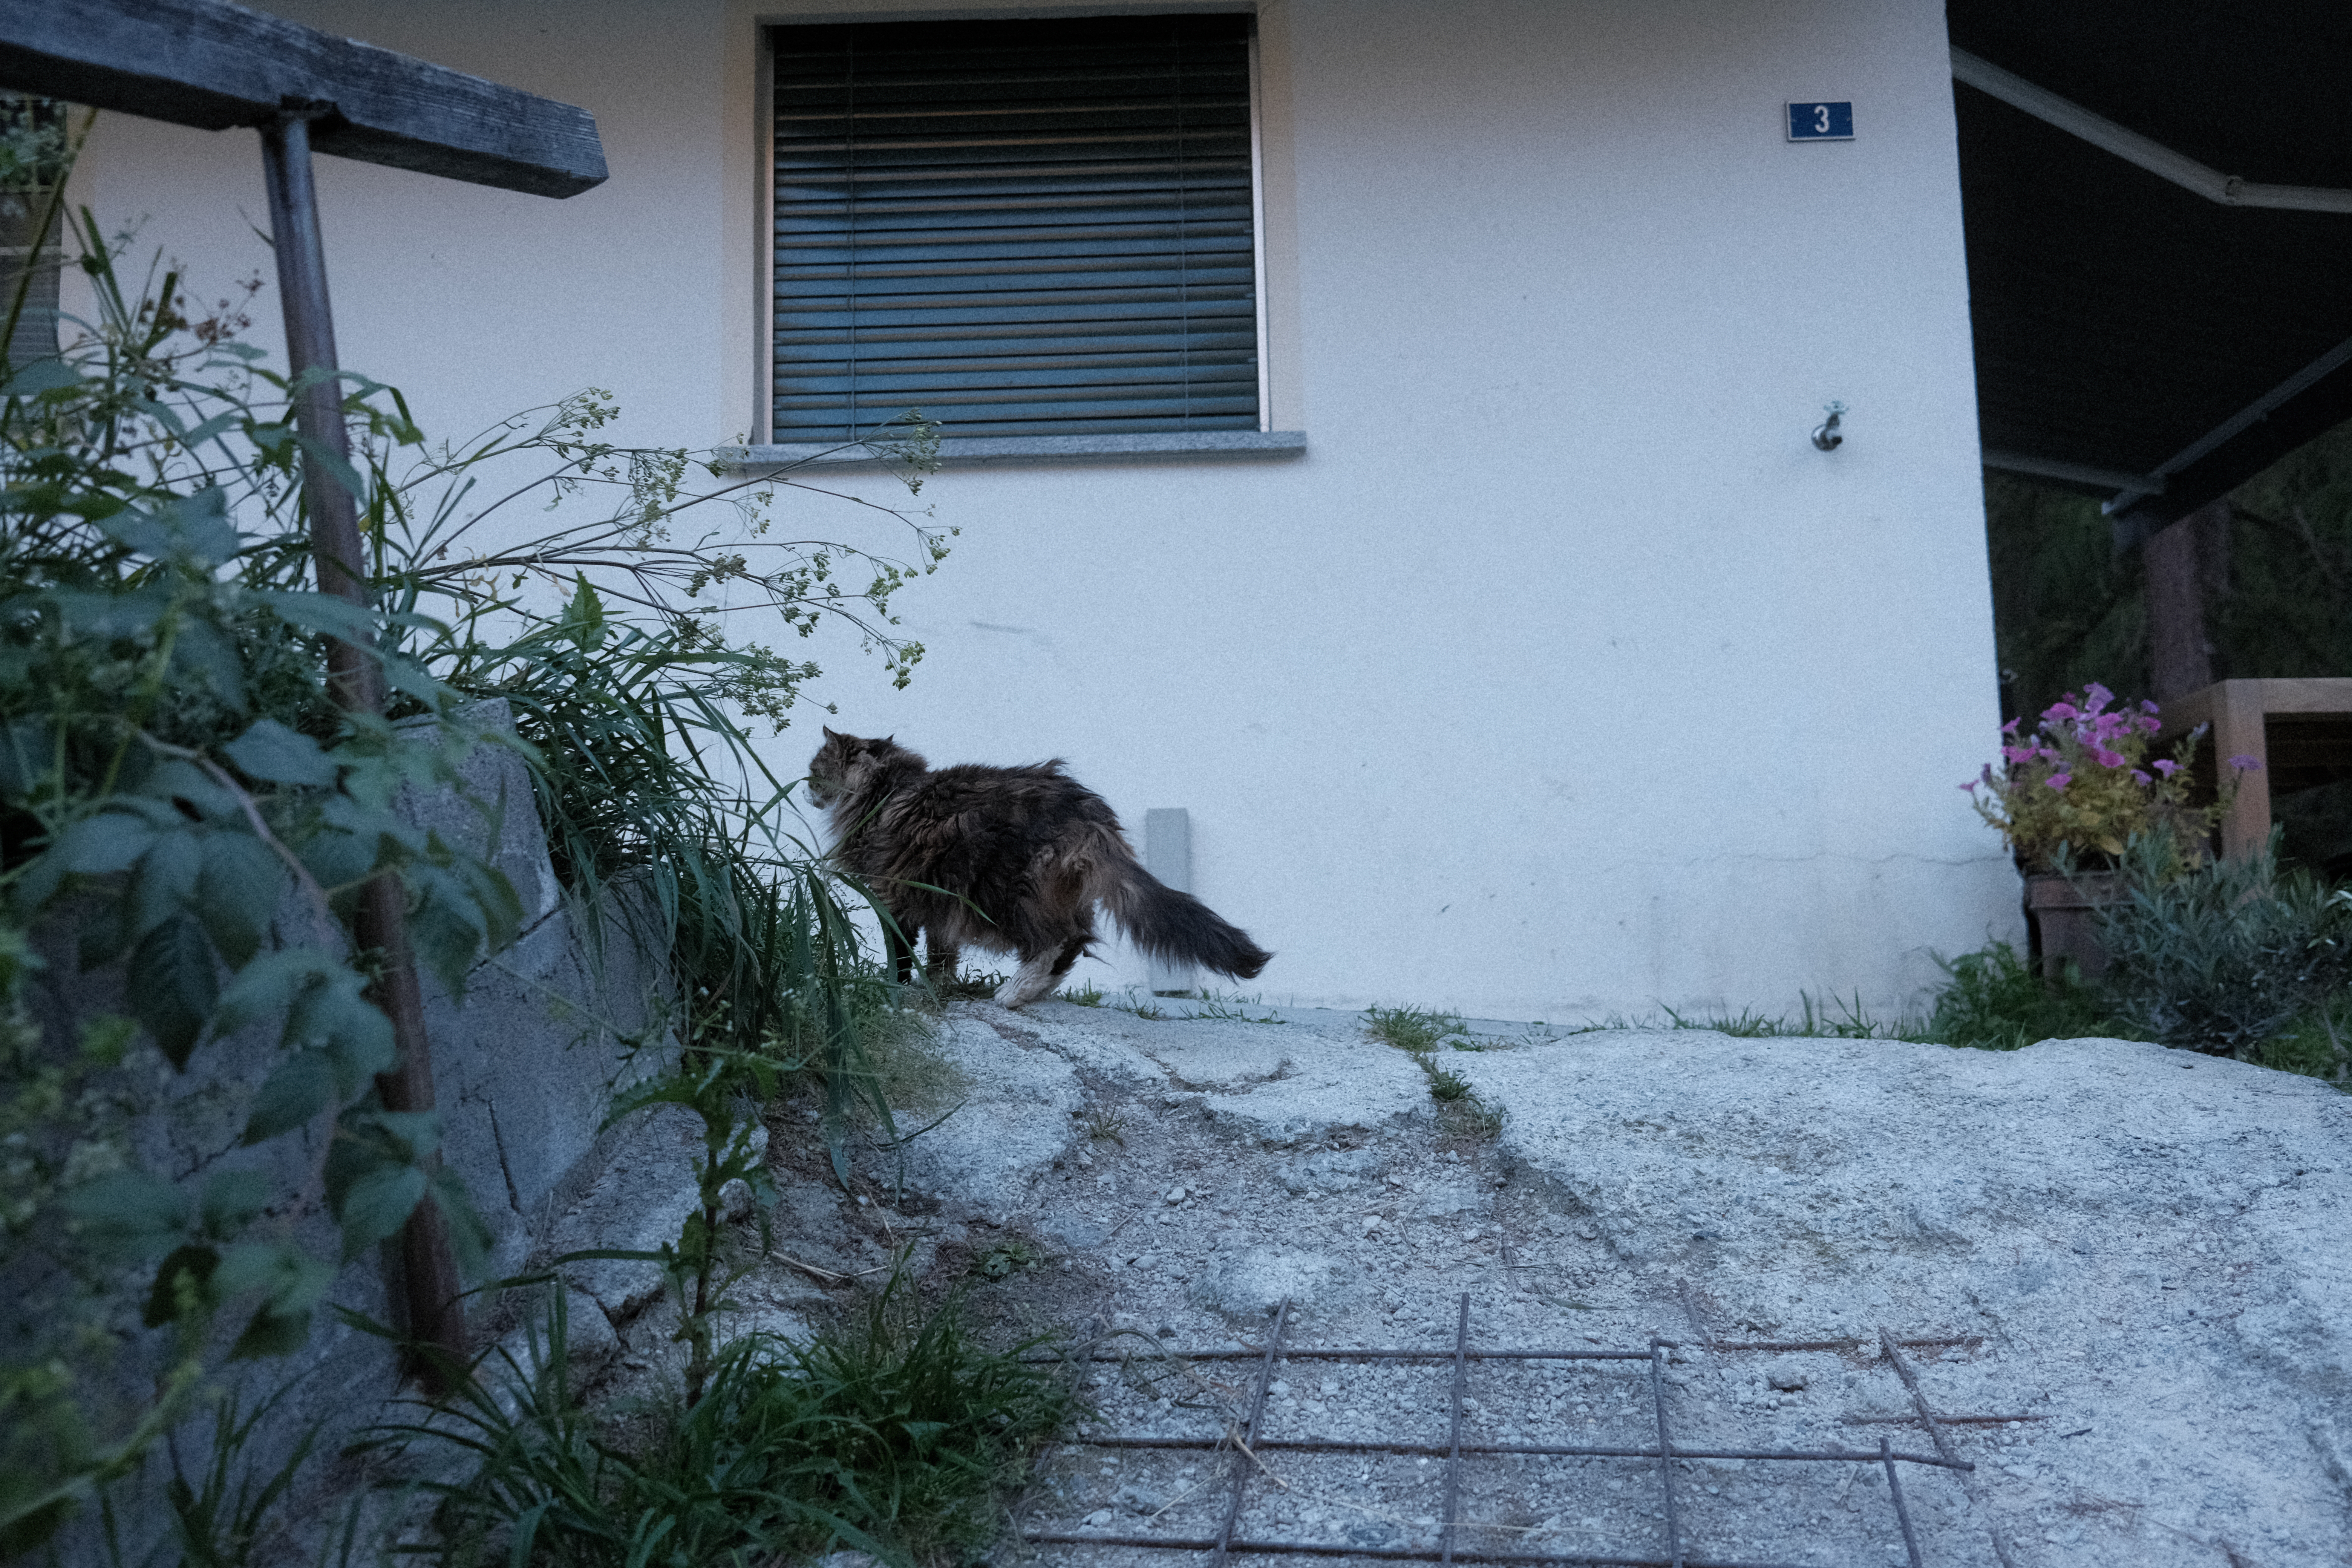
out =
column 845, row 765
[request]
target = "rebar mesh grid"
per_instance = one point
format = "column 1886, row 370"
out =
column 1244, row 1439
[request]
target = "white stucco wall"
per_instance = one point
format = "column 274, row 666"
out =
column 1563, row 675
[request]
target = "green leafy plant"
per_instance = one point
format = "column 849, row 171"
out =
column 172, row 781
column 722, row 1088
column 1994, row 999
column 895, row 1433
column 1008, row 1257
column 2221, row 956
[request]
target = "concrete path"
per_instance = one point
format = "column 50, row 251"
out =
column 2136, row 1260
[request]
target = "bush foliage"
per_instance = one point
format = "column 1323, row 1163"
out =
column 174, row 781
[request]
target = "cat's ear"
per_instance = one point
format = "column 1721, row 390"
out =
column 889, row 740
column 829, row 733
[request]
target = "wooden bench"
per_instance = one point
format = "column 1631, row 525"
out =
column 2299, row 730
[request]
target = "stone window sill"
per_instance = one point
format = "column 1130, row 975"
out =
column 961, row 451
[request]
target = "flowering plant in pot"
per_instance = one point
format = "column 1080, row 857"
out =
column 2073, row 790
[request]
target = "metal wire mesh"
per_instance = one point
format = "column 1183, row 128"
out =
column 1248, row 1442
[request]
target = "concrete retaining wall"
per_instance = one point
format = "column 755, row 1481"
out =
column 524, row 1071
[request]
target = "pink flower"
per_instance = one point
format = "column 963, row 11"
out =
column 2149, row 725
column 2097, row 696
column 2018, row 754
column 1970, row 786
column 2245, row 764
column 2140, row 778
column 2061, row 710
column 2105, row 758
column 2149, row 707
column 2059, row 781
column 2165, row 766
column 2009, row 728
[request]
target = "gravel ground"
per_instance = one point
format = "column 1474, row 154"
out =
column 2136, row 1272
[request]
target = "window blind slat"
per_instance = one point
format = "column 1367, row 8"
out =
column 1028, row 228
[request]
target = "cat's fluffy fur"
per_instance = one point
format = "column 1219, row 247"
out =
column 1006, row 859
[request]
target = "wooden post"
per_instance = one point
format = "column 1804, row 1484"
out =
column 2187, row 564
column 433, row 1286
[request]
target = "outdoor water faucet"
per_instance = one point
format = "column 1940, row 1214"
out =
column 1825, row 433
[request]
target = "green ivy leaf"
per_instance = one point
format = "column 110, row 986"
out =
column 167, row 883
column 200, row 653
column 102, row 844
column 584, row 616
column 277, row 754
column 376, row 1205
column 231, row 1201
column 447, row 934
column 175, row 985
column 355, row 1035
column 191, row 527
column 236, row 892
column 166, row 1303
column 297, row 1089
column 271, row 1332
column 270, row 984
column 174, row 780
column 336, row 858
column 323, row 613
column 131, row 1211
column 291, row 1281
column 415, row 1135
column 132, row 616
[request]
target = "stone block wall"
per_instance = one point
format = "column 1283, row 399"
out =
column 525, row 1067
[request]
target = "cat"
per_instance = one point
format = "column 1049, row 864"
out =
column 1005, row 859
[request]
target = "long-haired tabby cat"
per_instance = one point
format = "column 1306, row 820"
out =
column 1006, row 859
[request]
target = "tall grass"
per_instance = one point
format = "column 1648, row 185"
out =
column 894, row 1433
column 615, row 645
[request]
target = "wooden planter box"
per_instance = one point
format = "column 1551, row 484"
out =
column 2062, row 918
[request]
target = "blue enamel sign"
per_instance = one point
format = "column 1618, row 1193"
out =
column 1821, row 122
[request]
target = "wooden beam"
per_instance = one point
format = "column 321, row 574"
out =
column 210, row 65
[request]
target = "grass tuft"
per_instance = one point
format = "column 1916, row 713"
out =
column 896, row 1434
column 1446, row 1088
column 1418, row 1032
column 1413, row 1029
column 1992, row 1000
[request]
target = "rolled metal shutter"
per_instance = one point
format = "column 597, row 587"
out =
column 1021, row 228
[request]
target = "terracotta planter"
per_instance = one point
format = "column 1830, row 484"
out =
column 2063, row 917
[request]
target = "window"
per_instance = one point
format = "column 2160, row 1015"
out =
column 1021, row 228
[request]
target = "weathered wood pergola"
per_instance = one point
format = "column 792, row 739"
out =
column 216, row 66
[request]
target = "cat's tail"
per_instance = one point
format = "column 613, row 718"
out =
column 1174, row 926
